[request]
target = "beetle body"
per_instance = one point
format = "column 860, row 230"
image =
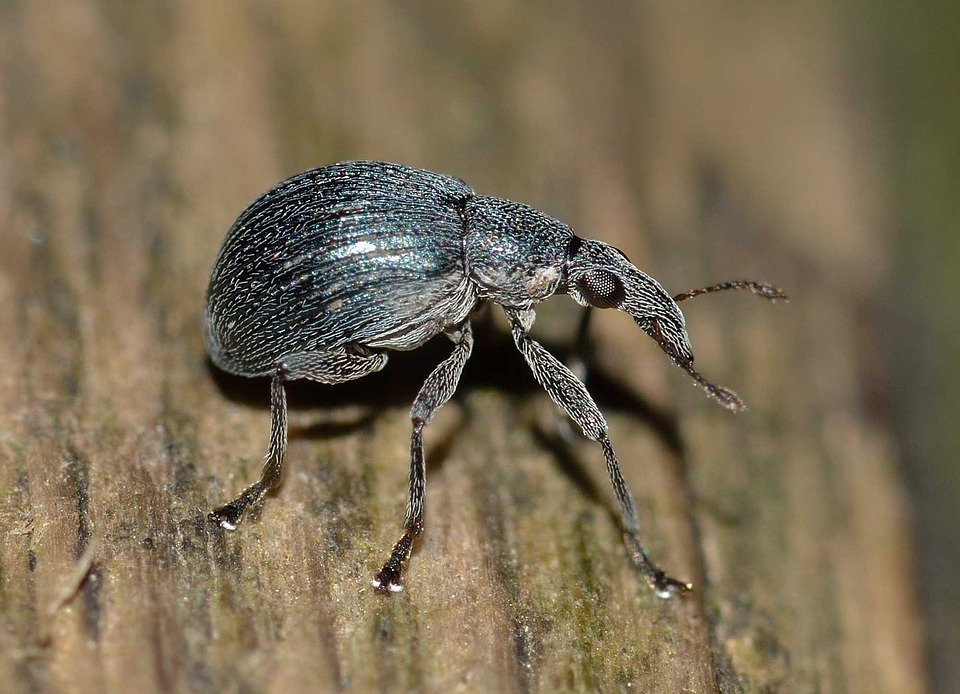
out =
column 323, row 274
column 375, row 255
column 351, row 254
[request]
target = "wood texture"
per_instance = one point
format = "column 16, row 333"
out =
column 709, row 142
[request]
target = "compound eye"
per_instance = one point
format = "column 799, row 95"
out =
column 601, row 289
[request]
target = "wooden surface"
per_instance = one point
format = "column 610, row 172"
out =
column 709, row 142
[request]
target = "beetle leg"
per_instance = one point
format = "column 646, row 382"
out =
column 324, row 367
column 570, row 395
column 435, row 392
column 577, row 361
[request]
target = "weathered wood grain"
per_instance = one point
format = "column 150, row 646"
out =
column 708, row 141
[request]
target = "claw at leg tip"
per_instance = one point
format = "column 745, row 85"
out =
column 386, row 587
column 222, row 521
column 672, row 587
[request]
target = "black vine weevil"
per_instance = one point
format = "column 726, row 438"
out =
column 324, row 273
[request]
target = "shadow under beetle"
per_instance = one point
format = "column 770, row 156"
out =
column 326, row 272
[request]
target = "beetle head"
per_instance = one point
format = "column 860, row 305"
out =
column 601, row 276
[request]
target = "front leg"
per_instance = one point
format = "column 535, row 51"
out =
column 570, row 395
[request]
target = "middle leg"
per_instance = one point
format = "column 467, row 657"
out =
column 436, row 390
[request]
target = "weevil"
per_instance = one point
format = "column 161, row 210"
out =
column 324, row 274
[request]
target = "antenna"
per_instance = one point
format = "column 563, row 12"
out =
column 764, row 289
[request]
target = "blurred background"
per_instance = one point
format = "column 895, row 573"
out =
column 812, row 144
column 909, row 61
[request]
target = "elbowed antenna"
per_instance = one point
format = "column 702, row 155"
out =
column 600, row 275
column 724, row 396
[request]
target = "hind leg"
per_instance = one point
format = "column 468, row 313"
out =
column 323, row 367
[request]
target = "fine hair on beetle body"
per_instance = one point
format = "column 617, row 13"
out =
column 326, row 273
